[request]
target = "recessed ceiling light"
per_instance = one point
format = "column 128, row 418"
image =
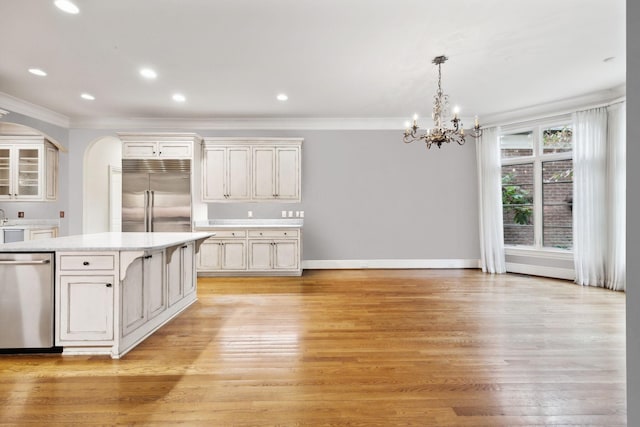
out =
column 148, row 73
column 66, row 6
column 37, row 72
column 282, row 97
column 178, row 97
column 87, row 96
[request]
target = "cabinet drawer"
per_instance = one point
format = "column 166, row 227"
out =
column 226, row 234
column 87, row 263
column 273, row 233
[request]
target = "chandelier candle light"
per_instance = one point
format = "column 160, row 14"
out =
column 440, row 133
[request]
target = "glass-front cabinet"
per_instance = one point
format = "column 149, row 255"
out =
column 28, row 169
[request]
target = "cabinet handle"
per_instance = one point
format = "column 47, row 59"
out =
column 184, row 247
column 148, row 256
column 85, row 263
column 108, row 285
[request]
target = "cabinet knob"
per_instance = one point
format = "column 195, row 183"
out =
column 285, row 233
column 85, row 263
column 108, row 285
column 261, row 234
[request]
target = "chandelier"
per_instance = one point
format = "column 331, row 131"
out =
column 440, row 134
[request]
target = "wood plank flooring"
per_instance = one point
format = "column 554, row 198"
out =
column 350, row 348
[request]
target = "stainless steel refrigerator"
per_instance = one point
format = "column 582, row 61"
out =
column 156, row 195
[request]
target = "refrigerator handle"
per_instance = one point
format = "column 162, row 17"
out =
column 146, row 210
column 153, row 202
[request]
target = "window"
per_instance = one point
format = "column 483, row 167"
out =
column 537, row 185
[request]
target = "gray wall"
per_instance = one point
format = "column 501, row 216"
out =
column 633, row 213
column 366, row 195
column 44, row 210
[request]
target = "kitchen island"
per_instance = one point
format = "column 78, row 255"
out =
column 113, row 290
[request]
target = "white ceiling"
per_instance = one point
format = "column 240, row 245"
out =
column 334, row 58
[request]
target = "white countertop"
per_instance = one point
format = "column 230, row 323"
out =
column 29, row 224
column 250, row 223
column 105, row 242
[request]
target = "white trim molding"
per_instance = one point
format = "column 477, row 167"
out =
column 3, row 113
column 539, row 270
column 331, row 264
column 20, row 106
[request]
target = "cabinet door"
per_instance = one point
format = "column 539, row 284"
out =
column 45, row 233
column 154, row 282
column 234, row 255
column 263, row 173
column 28, row 177
column 285, row 255
column 175, row 150
column 214, row 174
column 260, row 254
column 5, row 173
column 51, row 173
column 287, row 173
column 86, row 308
column 238, row 173
column 209, row 257
column 139, row 150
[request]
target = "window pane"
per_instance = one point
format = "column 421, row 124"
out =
column 557, row 202
column 557, row 139
column 517, row 144
column 517, row 204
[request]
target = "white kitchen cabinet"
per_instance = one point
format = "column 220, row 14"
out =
column 164, row 145
column 274, row 250
column 42, row 233
column 226, row 173
column 251, row 169
column 85, row 298
column 28, row 169
column 276, row 173
column 223, row 254
column 180, row 273
column 261, row 251
column 143, row 291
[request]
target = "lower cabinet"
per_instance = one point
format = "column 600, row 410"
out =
column 251, row 252
column 143, row 291
column 87, row 308
column 108, row 302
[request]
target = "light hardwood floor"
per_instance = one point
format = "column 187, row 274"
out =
column 350, row 348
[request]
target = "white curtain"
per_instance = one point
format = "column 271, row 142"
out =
column 616, row 192
column 490, row 198
column 598, row 217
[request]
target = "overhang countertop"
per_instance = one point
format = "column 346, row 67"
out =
column 250, row 223
column 105, row 242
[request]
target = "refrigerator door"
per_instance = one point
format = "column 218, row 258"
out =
column 170, row 201
column 135, row 197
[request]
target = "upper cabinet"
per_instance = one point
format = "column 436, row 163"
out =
column 158, row 146
column 251, row 169
column 28, row 169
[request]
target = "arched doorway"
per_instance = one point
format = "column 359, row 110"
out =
column 101, row 194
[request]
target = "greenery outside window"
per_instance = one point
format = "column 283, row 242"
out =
column 537, row 185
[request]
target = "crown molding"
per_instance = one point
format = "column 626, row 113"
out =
column 235, row 123
column 3, row 113
column 555, row 108
column 20, row 106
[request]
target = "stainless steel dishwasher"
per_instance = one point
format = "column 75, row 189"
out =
column 26, row 301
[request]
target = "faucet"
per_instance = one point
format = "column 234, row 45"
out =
column 3, row 218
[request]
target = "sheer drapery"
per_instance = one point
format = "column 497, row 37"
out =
column 615, row 264
column 598, row 204
column 490, row 200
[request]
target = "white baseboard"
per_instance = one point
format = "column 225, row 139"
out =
column 537, row 270
column 331, row 264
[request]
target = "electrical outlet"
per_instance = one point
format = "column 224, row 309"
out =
column 20, row 214
column 290, row 214
column 301, row 214
column 284, row 214
column 250, row 214
column 61, row 214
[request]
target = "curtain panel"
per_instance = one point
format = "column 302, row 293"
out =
column 490, row 200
